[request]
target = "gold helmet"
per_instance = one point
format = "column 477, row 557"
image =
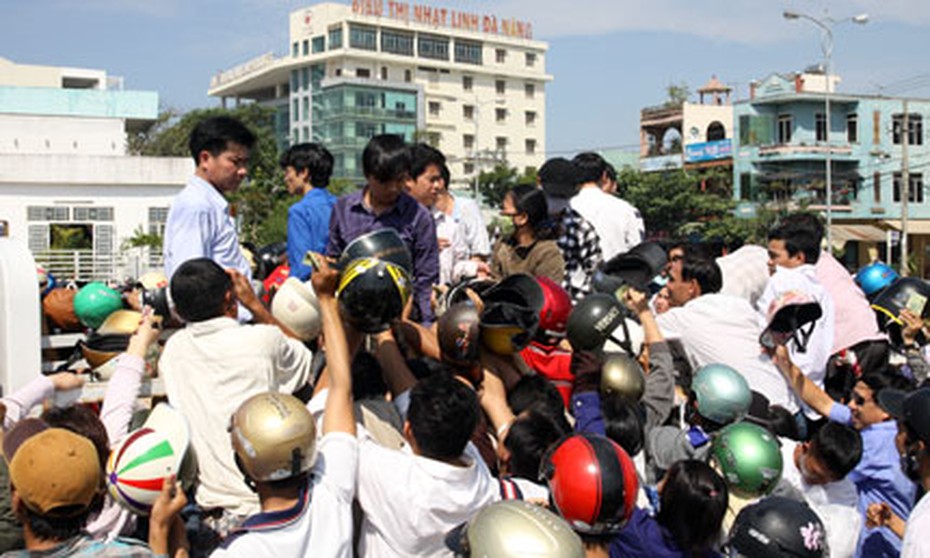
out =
column 274, row 436
column 623, row 377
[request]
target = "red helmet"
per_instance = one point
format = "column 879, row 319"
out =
column 557, row 305
column 592, row 483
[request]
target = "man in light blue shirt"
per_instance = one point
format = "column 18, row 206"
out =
column 307, row 168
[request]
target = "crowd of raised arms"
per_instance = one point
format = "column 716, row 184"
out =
column 396, row 381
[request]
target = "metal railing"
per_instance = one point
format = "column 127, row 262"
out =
column 86, row 265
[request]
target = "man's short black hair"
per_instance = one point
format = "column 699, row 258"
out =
column 55, row 528
column 423, row 155
column 590, row 167
column 530, row 435
column 443, row 415
column 214, row 135
column 703, row 270
column 312, row 157
column 386, row 158
column 198, row 289
column 446, row 176
column 838, row 446
column 801, row 232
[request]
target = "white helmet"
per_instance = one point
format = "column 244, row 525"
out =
column 295, row 305
column 629, row 333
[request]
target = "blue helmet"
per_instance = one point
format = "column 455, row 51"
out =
column 875, row 277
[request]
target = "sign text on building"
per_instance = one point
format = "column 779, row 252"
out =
column 425, row 14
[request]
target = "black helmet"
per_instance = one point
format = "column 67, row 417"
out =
column 636, row 268
column 519, row 289
column 269, row 257
column 777, row 527
column 372, row 293
column 458, row 331
column 593, row 321
column 383, row 244
column 905, row 292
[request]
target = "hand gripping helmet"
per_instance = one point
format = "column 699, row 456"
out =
column 515, row 529
column 372, row 293
column 459, row 334
column 722, row 394
column 557, row 305
column 273, row 436
column 777, row 527
column 623, row 377
column 296, row 306
column 94, row 302
column 875, row 277
column 889, row 303
column 592, row 483
column 593, row 321
column 748, row 458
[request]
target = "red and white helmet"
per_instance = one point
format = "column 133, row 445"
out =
column 557, row 305
column 592, row 483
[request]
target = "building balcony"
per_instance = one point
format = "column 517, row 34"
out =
column 369, row 113
column 88, row 103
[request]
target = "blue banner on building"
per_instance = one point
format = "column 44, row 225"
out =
column 708, row 151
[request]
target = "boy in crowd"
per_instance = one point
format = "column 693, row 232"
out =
column 307, row 168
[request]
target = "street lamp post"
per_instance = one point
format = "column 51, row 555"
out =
column 477, row 147
column 826, row 44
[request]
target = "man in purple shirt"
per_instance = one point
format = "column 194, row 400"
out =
column 384, row 204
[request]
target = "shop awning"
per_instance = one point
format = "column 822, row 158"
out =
column 914, row 226
column 862, row 233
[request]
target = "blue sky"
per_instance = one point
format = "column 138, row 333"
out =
column 609, row 57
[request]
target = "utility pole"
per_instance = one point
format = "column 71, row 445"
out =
column 905, row 190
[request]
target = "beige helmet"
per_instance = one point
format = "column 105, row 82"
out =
column 121, row 322
column 623, row 377
column 153, row 280
column 295, row 305
column 514, row 528
column 274, row 436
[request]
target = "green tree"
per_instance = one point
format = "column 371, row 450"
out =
column 494, row 184
column 678, row 94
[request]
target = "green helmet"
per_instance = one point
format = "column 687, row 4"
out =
column 722, row 393
column 514, row 528
column 95, row 302
column 749, row 459
column 623, row 377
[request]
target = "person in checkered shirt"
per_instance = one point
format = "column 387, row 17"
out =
column 579, row 242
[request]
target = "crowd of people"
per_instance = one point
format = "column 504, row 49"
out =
column 566, row 388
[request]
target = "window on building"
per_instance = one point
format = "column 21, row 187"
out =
column 362, row 72
column 530, row 89
column 852, row 128
column 915, row 129
column 305, row 133
column 433, row 138
column 366, row 130
column 365, row 99
column 306, row 112
column 396, row 42
column 500, row 86
column 468, row 167
column 501, row 143
column 319, row 44
column 47, row 213
column 530, row 146
column 468, row 83
column 306, row 47
column 784, row 128
column 468, row 112
column 433, row 47
column 468, row 141
column 434, row 108
column 408, row 76
column 93, row 214
column 530, row 59
column 877, row 187
column 335, row 38
column 468, row 52
column 363, row 37
column 295, row 49
column 296, row 111
column 500, row 55
column 305, row 78
column 500, row 115
column 158, row 216
column 915, row 191
column 530, row 117
column 295, row 80
column 820, row 127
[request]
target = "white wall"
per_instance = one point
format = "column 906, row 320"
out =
column 20, row 134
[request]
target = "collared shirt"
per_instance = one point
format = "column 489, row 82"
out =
column 916, row 542
column 616, row 221
column 879, row 478
column 308, row 229
column 351, row 218
column 209, row 369
column 319, row 524
column 716, row 328
column 410, row 502
column 855, row 320
column 199, row 226
column 466, row 211
column 581, row 250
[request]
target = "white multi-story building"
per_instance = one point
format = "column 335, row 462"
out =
column 68, row 187
column 473, row 85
